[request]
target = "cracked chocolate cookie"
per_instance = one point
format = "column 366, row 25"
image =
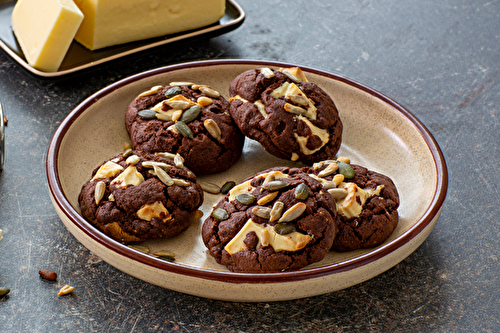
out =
column 292, row 118
column 367, row 203
column 277, row 220
column 189, row 119
column 137, row 196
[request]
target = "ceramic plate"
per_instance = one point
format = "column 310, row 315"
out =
column 78, row 57
column 378, row 133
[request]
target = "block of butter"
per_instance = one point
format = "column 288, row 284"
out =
column 111, row 22
column 45, row 30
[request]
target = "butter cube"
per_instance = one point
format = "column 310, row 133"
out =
column 45, row 30
column 111, row 22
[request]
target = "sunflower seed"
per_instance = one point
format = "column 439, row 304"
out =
column 176, row 115
column 165, row 116
column 274, row 185
column 294, row 109
column 151, row 164
column 267, row 72
column 180, row 84
column 275, row 213
column 4, row 291
column 190, row 114
column 204, row 101
column 344, row 159
column 331, row 168
column 198, row 214
column 337, row 193
column 209, row 92
column 171, row 92
column 213, row 129
column 262, row 212
column 163, row 175
column 132, row 160
column 209, row 187
column 220, row 214
column 337, row 179
column 267, row 198
column 67, row 289
column 181, row 182
column 329, row 184
column 178, row 161
column 184, row 129
column 179, row 102
column 99, row 190
column 293, row 212
column 163, row 253
column 140, row 248
column 166, row 154
column 149, row 92
column 269, row 178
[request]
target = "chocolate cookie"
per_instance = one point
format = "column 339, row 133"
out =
column 277, row 220
column 137, row 196
column 189, row 119
column 367, row 203
column 292, row 118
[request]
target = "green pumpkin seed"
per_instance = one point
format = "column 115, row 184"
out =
column 147, row 114
column 245, row 198
column 174, row 91
column 167, row 258
column 220, row 214
column 301, row 192
column 4, row 291
column 346, row 169
column 190, row 114
column 127, row 153
column 227, row 187
column 274, row 185
column 184, row 129
column 284, row 228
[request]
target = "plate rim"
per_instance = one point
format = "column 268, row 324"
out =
column 432, row 210
column 233, row 24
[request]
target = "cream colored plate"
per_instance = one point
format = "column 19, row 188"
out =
column 378, row 134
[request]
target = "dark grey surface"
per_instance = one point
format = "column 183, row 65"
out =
column 439, row 59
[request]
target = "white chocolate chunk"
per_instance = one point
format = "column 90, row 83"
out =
column 267, row 236
column 352, row 204
column 302, row 141
column 128, row 177
column 297, row 72
column 261, row 108
column 108, row 170
column 149, row 211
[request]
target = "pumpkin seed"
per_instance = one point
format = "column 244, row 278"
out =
column 220, row 214
column 209, row 92
column 274, row 185
column 167, row 258
column 301, row 192
column 99, row 190
column 346, row 169
column 178, row 161
column 132, row 160
column 147, row 114
column 267, row 72
column 275, row 213
column 293, row 212
column 163, row 175
column 331, row 168
column 190, row 114
column 184, row 129
column 262, row 212
column 213, row 129
column 4, row 291
column 245, row 198
column 227, row 187
column 127, row 153
column 204, row 101
column 209, row 187
column 171, row 92
column 284, row 228
column 337, row 193
column 267, row 198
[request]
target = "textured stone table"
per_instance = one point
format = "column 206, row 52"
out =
column 441, row 60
